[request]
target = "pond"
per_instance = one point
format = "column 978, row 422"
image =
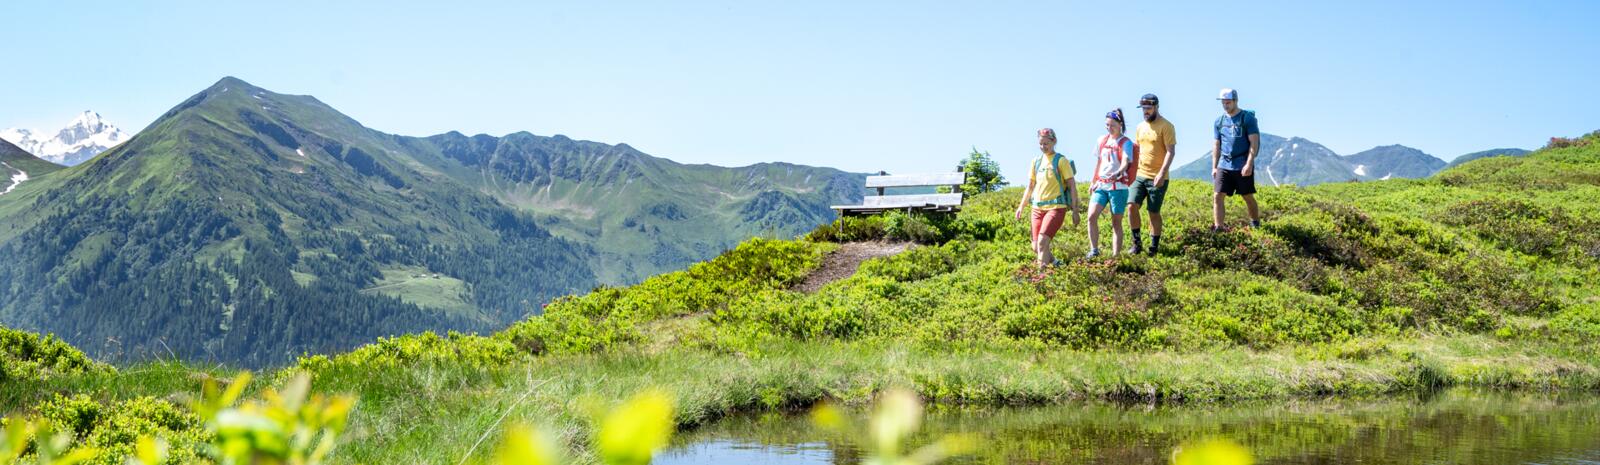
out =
column 1449, row 427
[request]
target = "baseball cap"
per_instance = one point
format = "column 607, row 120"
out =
column 1149, row 100
column 1228, row 94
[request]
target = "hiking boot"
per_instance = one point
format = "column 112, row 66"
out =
column 1056, row 264
column 1136, row 249
column 1093, row 253
column 1155, row 243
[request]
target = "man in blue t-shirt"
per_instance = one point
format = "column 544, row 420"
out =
column 1233, row 158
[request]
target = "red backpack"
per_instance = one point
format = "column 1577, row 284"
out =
column 1127, row 173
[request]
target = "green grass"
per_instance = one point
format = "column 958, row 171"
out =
column 417, row 285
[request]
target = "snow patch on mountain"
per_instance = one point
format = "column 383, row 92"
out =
column 16, row 178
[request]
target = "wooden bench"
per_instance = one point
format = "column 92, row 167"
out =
column 938, row 203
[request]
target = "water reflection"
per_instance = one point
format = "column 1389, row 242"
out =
column 1453, row 427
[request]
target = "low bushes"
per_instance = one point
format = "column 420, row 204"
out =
column 114, row 428
column 28, row 356
column 935, row 228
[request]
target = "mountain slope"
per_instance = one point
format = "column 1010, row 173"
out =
column 248, row 226
column 645, row 214
column 1486, row 154
column 84, row 137
column 1394, row 161
column 18, row 166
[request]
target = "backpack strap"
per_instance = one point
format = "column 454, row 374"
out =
column 1097, row 159
column 1061, row 183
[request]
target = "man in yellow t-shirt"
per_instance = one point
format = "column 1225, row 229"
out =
column 1158, row 141
column 1052, row 192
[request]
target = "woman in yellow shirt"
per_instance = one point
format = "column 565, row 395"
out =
column 1052, row 193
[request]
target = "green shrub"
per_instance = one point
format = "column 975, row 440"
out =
column 1080, row 322
column 918, row 228
column 1251, row 311
column 917, row 263
column 1518, row 225
column 849, row 229
column 1579, row 323
column 114, row 429
column 921, row 228
column 27, row 356
column 427, row 347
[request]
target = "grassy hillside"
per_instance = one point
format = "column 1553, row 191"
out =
column 18, row 159
column 1485, row 275
column 1486, row 154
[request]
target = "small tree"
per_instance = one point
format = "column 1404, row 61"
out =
column 983, row 174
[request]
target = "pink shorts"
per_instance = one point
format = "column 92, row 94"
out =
column 1047, row 222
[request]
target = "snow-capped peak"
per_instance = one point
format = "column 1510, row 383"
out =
column 85, row 136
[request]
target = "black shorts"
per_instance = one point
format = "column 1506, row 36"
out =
column 1229, row 182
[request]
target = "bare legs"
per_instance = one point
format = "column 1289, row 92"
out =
column 1219, row 209
column 1041, row 250
column 1094, row 229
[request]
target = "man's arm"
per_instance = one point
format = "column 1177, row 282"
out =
column 1250, row 161
column 1216, row 156
column 1166, row 164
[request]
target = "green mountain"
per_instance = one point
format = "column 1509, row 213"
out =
column 18, row 166
column 1394, row 161
column 249, row 226
column 1486, row 154
column 645, row 215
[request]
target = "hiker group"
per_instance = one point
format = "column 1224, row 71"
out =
column 1130, row 174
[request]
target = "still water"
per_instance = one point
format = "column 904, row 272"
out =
column 1451, row 427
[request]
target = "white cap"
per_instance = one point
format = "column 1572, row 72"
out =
column 1228, row 94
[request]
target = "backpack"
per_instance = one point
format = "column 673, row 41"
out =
column 1055, row 162
column 1127, row 173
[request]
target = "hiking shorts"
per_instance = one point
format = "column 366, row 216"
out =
column 1145, row 191
column 1229, row 182
column 1048, row 221
column 1117, row 199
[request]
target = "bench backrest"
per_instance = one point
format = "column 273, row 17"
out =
column 916, row 180
column 942, row 202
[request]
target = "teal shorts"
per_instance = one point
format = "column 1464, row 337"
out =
column 1145, row 191
column 1117, row 199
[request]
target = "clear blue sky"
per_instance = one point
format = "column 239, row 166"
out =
column 862, row 86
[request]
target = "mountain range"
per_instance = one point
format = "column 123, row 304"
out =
column 248, row 226
column 84, row 137
column 1298, row 161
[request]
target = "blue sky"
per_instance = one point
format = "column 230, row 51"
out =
column 864, row 86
